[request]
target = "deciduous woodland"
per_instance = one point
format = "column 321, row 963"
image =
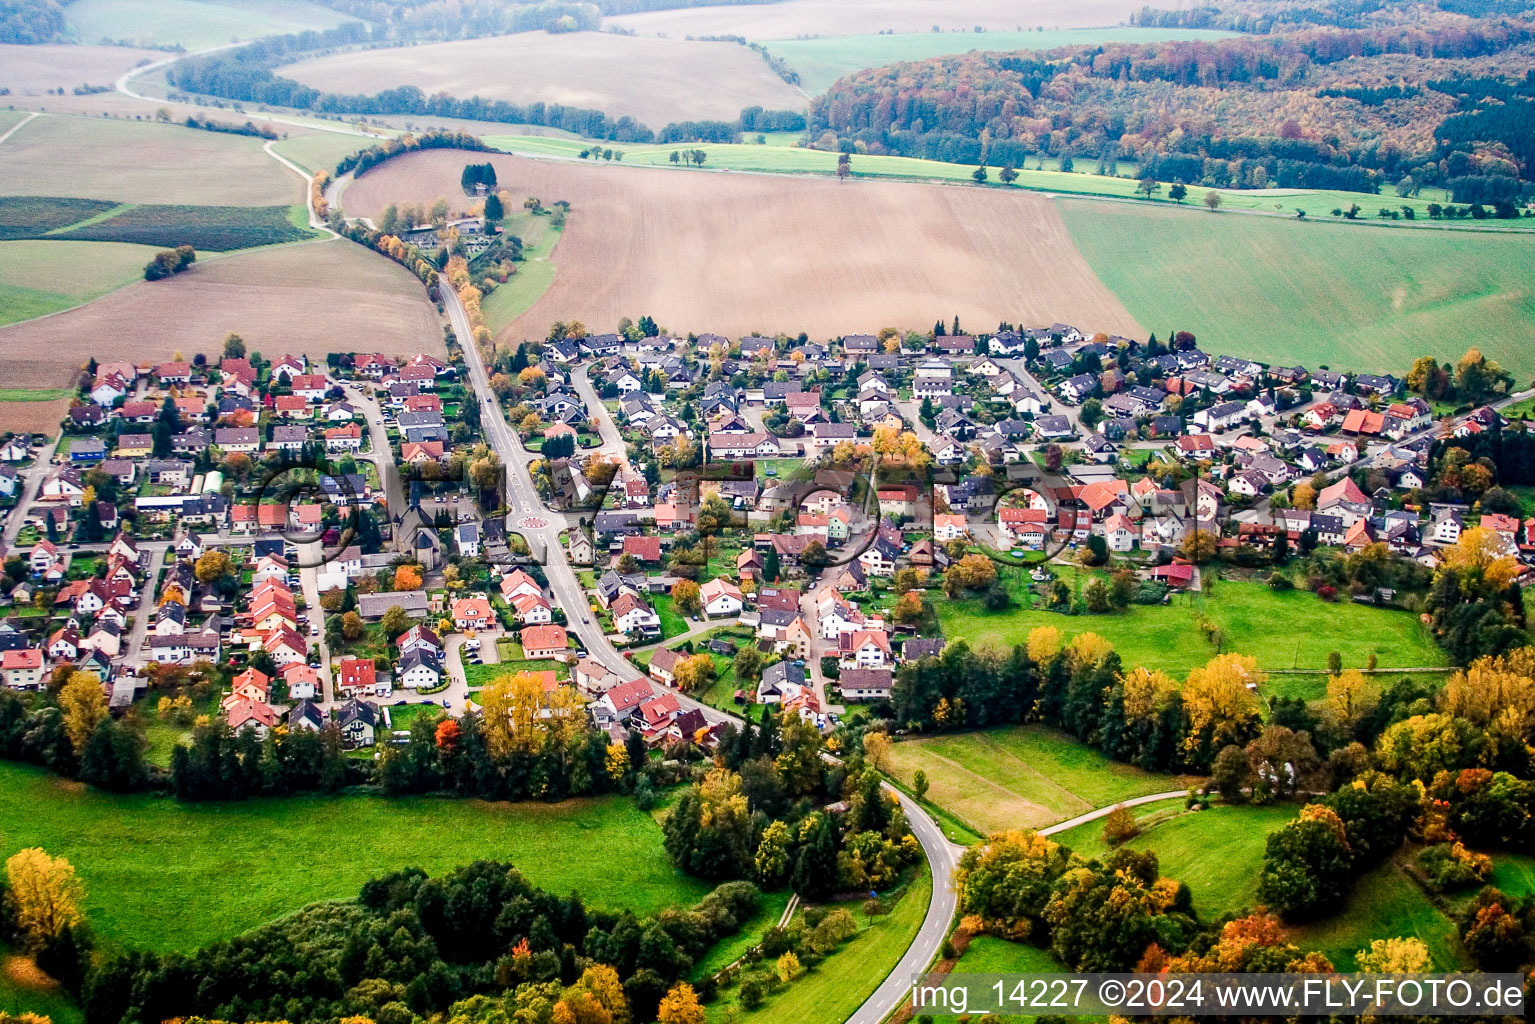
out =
column 1322, row 108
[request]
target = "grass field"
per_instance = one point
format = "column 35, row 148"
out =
column 1341, row 295
column 193, row 24
column 41, row 277
column 820, row 62
column 141, row 162
column 1384, row 904
column 534, row 274
column 1514, row 873
column 654, row 81
column 832, row 990
column 1293, row 629
column 170, row 876
column 1019, row 777
column 320, row 151
column 639, row 240
column 1218, row 853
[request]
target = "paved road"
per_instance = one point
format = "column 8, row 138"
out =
column 31, row 481
column 612, row 440
column 942, row 858
column 133, row 649
column 381, row 455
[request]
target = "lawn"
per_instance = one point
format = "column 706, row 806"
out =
column 170, row 876
column 673, row 622
column 832, row 990
column 481, row 675
column 1345, row 296
column 42, row 277
column 820, row 62
column 193, row 24
column 1385, row 904
column 1019, row 777
column 1217, row 852
column 1293, row 629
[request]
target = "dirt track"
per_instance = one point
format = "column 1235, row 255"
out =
column 736, row 253
column 316, row 298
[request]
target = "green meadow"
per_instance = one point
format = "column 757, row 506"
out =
column 164, row 875
column 1342, row 295
column 1292, row 629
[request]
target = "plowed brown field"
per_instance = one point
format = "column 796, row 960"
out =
column 736, row 253
column 793, row 18
column 315, row 298
column 654, row 81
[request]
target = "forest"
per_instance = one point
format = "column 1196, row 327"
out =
column 1356, row 109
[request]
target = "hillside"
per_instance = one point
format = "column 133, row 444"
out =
column 1359, row 109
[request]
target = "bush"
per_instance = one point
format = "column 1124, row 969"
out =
column 1450, row 866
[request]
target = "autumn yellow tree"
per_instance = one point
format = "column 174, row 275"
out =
column 1303, row 496
column 1147, row 693
column 1044, row 643
column 512, row 703
column 1222, row 709
column 45, row 893
column 597, row 997
column 1350, row 697
column 1480, row 551
column 1496, row 693
column 1087, row 649
column 407, row 577
column 694, row 672
column 84, row 705
column 1395, row 956
column 213, row 566
column 876, row 750
column 680, row 1006
column 685, row 597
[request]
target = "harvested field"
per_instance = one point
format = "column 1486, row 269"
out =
column 737, row 253
column 142, row 162
column 651, row 80
column 33, row 70
column 794, row 18
column 194, row 24
column 322, row 297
